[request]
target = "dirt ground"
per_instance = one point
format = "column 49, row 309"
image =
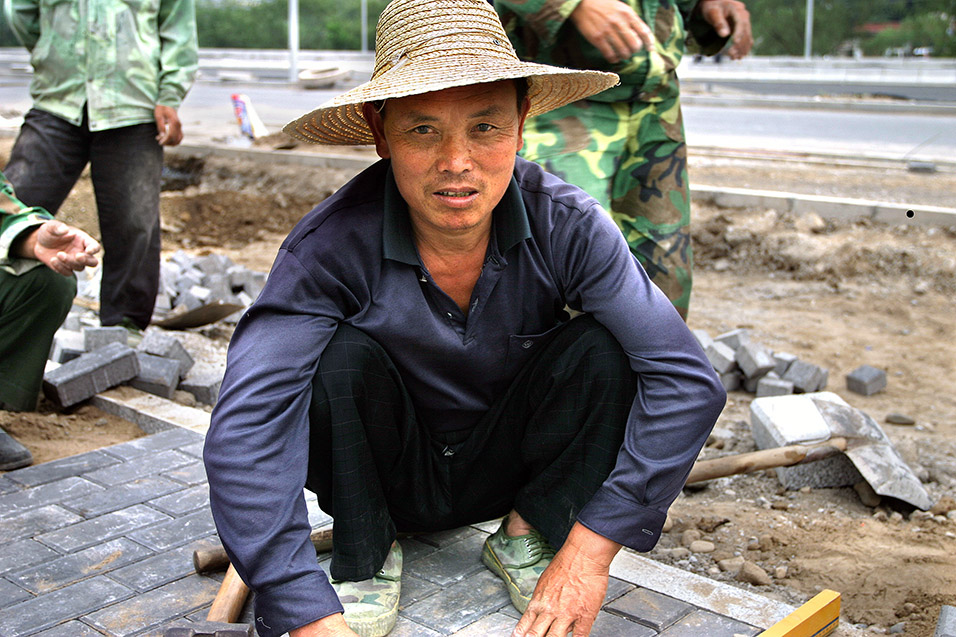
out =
column 839, row 294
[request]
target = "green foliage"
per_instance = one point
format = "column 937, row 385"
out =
column 936, row 30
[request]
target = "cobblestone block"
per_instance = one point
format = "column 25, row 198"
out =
column 67, row 489
column 731, row 381
column 71, row 568
column 97, row 337
column 8, row 486
column 734, row 338
column 157, row 375
column 754, row 360
column 155, row 607
column 194, row 449
column 721, row 356
column 452, row 563
column 866, row 380
column 164, row 567
column 67, row 345
column 101, row 529
column 215, row 263
column 946, row 625
column 767, row 386
column 162, row 537
column 149, row 465
column 414, row 589
column 702, row 622
column 407, row 628
column 23, row 554
column 122, row 496
column 609, row 625
column 90, row 374
column 494, row 624
column 169, row 439
column 67, row 603
column 182, row 502
column 650, row 608
column 203, row 384
column 703, row 338
column 62, row 468
column 191, row 474
column 10, row 594
column 782, row 362
column 462, row 604
column 70, row 629
column 806, row 377
column 35, row 521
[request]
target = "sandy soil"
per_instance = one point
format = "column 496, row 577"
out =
column 839, row 294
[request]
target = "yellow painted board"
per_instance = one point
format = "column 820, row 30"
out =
column 817, row 618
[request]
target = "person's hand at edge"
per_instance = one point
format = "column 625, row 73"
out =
column 169, row 128
column 729, row 17
column 571, row 590
column 613, row 27
column 62, row 248
column 331, row 626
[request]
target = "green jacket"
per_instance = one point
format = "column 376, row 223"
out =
column 121, row 58
column 14, row 219
column 541, row 32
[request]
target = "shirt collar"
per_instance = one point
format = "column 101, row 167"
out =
column 510, row 223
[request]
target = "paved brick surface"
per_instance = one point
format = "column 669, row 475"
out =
column 102, row 543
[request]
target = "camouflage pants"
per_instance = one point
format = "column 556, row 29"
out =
column 632, row 158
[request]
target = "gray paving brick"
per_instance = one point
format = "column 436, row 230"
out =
column 10, row 593
column 183, row 501
column 159, row 343
column 163, row 568
column 34, row 521
column 23, row 554
column 154, row 608
column 650, row 608
column 194, row 449
column 53, row 608
column 67, row 489
column 7, row 485
column 169, row 439
column 754, row 360
column 451, row 564
column 157, row 375
column 100, row 529
column 608, row 625
column 176, row 532
column 123, row 496
column 68, row 569
column 734, row 338
column 616, row 588
column 191, row 474
column 460, row 604
column 62, row 468
column 494, row 624
column 203, row 383
column 413, row 550
column 152, row 464
column 701, row 622
column 97, row 337
column 415, row 589
column 866, row 380
column 407, row 628
column 70, row 629
column 444, row 538
column 91, row 373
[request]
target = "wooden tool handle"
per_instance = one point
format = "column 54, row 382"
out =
column 230, row 598
column 215, row 559
column 764, row 459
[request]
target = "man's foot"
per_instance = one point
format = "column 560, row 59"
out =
column 135, row 336
column 518, row 560
column 13, row 455
column 371, row 605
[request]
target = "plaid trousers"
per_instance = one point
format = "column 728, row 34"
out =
column 543, row 448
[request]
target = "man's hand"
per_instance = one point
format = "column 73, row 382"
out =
column 571, row 590
column 62, row 248
column 331, row 626
column 170, row 129
column 613, row 27
column 729, row 17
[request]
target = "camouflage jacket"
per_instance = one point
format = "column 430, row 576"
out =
column 121, row 58
column 14, row 219
column 541, row 32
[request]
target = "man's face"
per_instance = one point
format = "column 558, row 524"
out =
column 452, row 151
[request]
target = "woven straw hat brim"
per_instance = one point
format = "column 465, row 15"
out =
column 339, row 121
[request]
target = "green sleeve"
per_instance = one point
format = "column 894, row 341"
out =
column 23, row 16
column 542, row 18
column 179, row 54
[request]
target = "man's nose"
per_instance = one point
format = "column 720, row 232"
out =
column 455, row 154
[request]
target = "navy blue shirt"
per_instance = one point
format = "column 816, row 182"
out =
column 353, row 260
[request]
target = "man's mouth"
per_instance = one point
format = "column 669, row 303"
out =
column 456, row 193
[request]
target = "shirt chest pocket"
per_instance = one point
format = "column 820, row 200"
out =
column 522, row 347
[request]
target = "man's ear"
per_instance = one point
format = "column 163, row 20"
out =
column 374, row 119
column 525, row 107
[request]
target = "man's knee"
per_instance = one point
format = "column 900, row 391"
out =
column 50, row 292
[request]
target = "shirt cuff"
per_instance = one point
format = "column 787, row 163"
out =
column 294, row 604
column 633, row 525
column 18, row 265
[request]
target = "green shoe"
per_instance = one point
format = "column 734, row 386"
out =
column 519, row 561
column 371, row 605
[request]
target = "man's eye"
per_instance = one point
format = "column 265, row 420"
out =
column 484, row 128
column 421, row 130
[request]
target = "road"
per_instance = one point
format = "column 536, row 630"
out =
column 207, row 114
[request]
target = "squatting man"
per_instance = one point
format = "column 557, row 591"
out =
column 411, row 359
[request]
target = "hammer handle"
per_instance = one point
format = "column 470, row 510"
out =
column 764, row 459
column 230, row 598
column 215, row 559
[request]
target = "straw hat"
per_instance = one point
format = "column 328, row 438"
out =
column 430, row 45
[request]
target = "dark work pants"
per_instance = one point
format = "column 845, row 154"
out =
column 543, row 449
column 32, row 307
column 126, row 167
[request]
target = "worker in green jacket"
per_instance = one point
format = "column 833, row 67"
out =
column 108, row 78
column 34, row 300
column 625, row 146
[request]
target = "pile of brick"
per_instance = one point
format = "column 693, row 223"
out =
column 188, row 282
column 745, row 365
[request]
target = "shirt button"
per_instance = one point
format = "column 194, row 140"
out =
column 449, row 315
column 527, row 344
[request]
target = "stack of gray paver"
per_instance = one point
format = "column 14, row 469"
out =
column 189, row 282
column 743, row 364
